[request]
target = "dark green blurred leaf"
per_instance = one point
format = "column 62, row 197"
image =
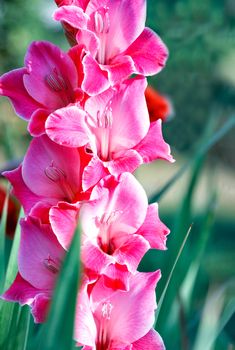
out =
column 200, row 152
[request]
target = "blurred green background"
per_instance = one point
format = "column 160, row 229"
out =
column 199, row 79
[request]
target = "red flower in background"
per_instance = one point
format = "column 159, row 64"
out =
column 12, row 213
column 159, row 106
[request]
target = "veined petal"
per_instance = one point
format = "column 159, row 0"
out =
column 66, row 127
column 148, row 52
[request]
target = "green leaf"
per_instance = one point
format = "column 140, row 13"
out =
column 200, row 152
column 170, row 275
column 214, row 318
column 12, row 267
column 2, row 242
column 57, row 332
column 7, row 309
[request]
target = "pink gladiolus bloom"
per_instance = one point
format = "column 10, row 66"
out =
column 49, row 80
column 114, row 319
column 39, row 260
column 49, row 173
column 118, row 227
column 113, row 52
column 115, row 127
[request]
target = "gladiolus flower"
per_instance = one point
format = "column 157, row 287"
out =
column 49, row 80
column 112, row 53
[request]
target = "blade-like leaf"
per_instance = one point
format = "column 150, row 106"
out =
column 12, row 266
column 2, row 242
column 57, row 332
column 170, row 275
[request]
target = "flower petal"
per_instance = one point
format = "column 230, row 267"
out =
column 12, row 86
column 153, row 230
column 73, row 15
column 50, row 170
column 36, row 126
column 151, row 340
column 95, row 79
column 26, row 197
column 153, row 146
column 51, row 75
column 66, row 127
column 148, row 52
column 93, row 173
column 34, row 264
column 63, row 219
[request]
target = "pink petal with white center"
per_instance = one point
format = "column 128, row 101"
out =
column 51, row 75
column 50, row 170
column 95, row 79
column 151, row 340
column 67, row 127
column 125, row 161
column 125, row 203
column 130, row 16
column 26, row 197
column 153, row 146
column 39, row 266
column 132, row 252
column 12, row 86
column 119, row 69
column 93, row 173
column 73, row 15
column 63, row 219
column 130, row 314
column 153, row 230
column 128, row 113
column 36, row 126
column 148, row 52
